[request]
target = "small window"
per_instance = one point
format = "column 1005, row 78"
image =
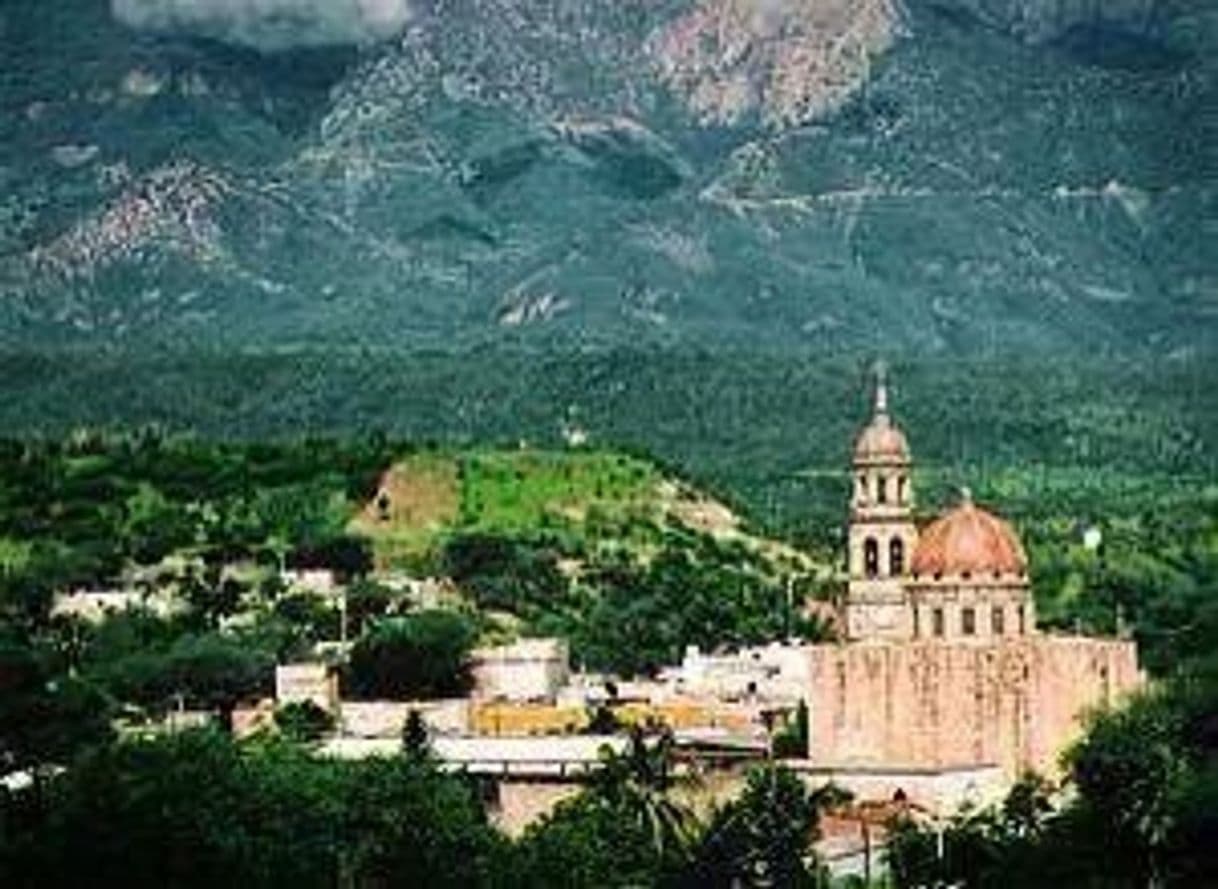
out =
column 968, row 621
column 937, row 621
column 862, row 489
column 871, row 557
column 881, row 490
column 1023, row 628
column 917, row 629
column 998, row 620
column 896, row 557
column 901, row 489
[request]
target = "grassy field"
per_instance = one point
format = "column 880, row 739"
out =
column 426, row 496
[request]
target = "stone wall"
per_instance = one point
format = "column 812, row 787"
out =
column 1014, row 703
column 385, row 719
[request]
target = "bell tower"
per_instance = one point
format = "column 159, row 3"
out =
column 882, row 533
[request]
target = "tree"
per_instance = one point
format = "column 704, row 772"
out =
column 1138, row 768
column 625, row 829
column 423, row 655
column 310, row 616
column 504, row 573
column 196, row 809
column 303, row 721
column 603, row 721
column 792, row 741
column 415, row 740
column 347, row 556
column 764, row 837
column 638, row 783
column 212, row 596
column 46, row 717
column 210, row 671
column 366, row 602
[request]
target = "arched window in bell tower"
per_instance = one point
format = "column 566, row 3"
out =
column 871, row 557
column 901, row 490
column 881, row 489
column 896, row 557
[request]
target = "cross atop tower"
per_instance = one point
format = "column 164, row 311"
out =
column 880, row 371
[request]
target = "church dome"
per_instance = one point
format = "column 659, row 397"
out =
column 881, row 441
column 967, row 540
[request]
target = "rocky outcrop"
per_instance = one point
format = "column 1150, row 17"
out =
column 781, row 61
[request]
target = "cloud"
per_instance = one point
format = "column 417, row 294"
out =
column 269, row 25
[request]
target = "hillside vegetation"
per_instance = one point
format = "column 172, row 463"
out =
column 607, row 550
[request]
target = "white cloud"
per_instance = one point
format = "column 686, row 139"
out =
column 270, row 24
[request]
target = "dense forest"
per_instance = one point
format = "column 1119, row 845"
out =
column 773, row 429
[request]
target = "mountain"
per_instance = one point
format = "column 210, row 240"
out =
column 523, row 183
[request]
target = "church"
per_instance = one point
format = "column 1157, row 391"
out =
column 942, row 667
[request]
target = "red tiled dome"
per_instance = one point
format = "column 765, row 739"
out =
column 967, row 540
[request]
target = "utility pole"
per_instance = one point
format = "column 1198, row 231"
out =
column 790, row 606
column 342, row 619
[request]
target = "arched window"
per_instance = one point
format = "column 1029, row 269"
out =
column 862, row 489
column 968, row 621
column 901, row 490
column 881, row 489
column 896, row 557
column 998, row 621
column 871, row 557
column 937, row 621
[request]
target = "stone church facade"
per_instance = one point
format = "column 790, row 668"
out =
column 943, row 666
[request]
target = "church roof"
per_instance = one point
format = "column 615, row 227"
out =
column 967, row 540
column 881, row 440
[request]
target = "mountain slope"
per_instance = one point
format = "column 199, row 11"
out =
column 523, row 164
column 691, row 222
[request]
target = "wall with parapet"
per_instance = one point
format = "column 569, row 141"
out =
column 1015, row 703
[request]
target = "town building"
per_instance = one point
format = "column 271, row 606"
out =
column 524, row 670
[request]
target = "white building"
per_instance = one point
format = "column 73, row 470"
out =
column 94, row 606
column 776, row 672
column 525, row 670
column 297, row 683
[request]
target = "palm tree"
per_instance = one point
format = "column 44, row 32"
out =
column 637, row 784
